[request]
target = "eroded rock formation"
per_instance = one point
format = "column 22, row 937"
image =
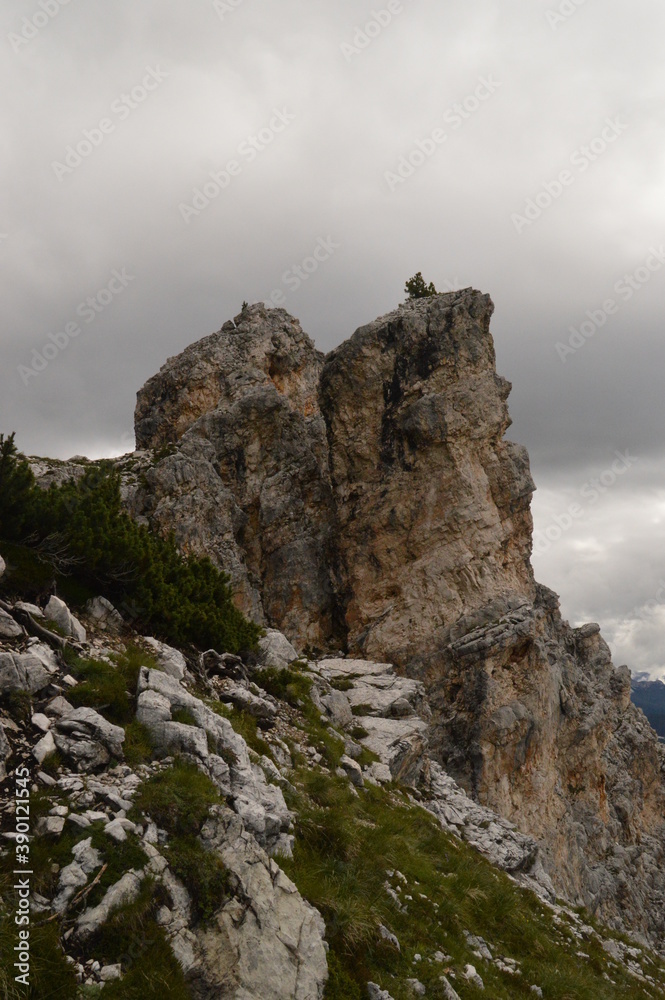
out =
column 368, row 502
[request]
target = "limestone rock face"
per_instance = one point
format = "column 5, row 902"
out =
column 535, row 720
column 367, row 504
column 268, row 942
column 433, row 505
column 247, row 480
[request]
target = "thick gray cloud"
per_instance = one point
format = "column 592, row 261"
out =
column 561, row 120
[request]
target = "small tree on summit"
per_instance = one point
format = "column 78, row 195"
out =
column 416, row 287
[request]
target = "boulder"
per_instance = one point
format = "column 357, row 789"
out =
column 104, row 614
column 46, row 656
column 9, row 629
column 374, row 992
column 22, row 672
column 216, row 664
column 245, row 700
column 266, row 939
column 338, row 707
column 124, row 891
column 275, row 650
column 59, row 613
column 169, row 659
column 170, row 738
column 31, row 609
column 352, row 770
column 377, row 686
column 87, row 739
column 448, row 992
column 72, row 878
column 44, row 748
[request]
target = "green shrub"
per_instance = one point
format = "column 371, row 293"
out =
column 80, row 529
column 16, row 490
column 178, row 799
column 289, row 685
column 417, row 288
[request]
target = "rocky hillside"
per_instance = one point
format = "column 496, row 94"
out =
column 367, row 502
column 270, row 827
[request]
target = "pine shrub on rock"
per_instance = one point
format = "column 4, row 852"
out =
column 81, row 528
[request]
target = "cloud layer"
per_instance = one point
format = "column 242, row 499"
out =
column 164, row 162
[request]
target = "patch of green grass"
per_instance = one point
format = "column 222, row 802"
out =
column 138, row 746
column 363, row 709
column 342, row 684
column 245, row 725
column 367, row 757
column 52, row 763
column 132, row 937
column 344, row 846
column 202, row 872
column 108, row 688
column 291, row 686
column 50, row 973
column 358, row 732
column 119, row 857
column 18, row 704
column 102, row 687
column 184, row 716
column 178, row 799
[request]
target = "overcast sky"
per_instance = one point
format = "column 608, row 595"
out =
column 517, row 146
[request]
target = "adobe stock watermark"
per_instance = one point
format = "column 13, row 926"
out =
column 224, row 7
column 625, row 288
column 21, row 836
column 455, row 116
column 36, row 22
column 88, row 310
column 247, row 152
column 121, row 108
column 591, row 491
column 580, row 160
column 563, row 12
column 297, row 274
column 364, row 35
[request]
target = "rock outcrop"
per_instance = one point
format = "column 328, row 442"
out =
column 244, row 475
column 368, row 502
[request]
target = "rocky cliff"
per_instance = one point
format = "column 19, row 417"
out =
column 367, row 502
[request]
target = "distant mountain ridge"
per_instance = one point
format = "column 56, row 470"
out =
column 649, row 695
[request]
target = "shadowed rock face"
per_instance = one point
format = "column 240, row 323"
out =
column 367, row 501
column 244, row 474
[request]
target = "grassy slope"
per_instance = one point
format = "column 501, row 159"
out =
column 349, row 845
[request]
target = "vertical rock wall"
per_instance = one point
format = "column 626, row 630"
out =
column 368, row 501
